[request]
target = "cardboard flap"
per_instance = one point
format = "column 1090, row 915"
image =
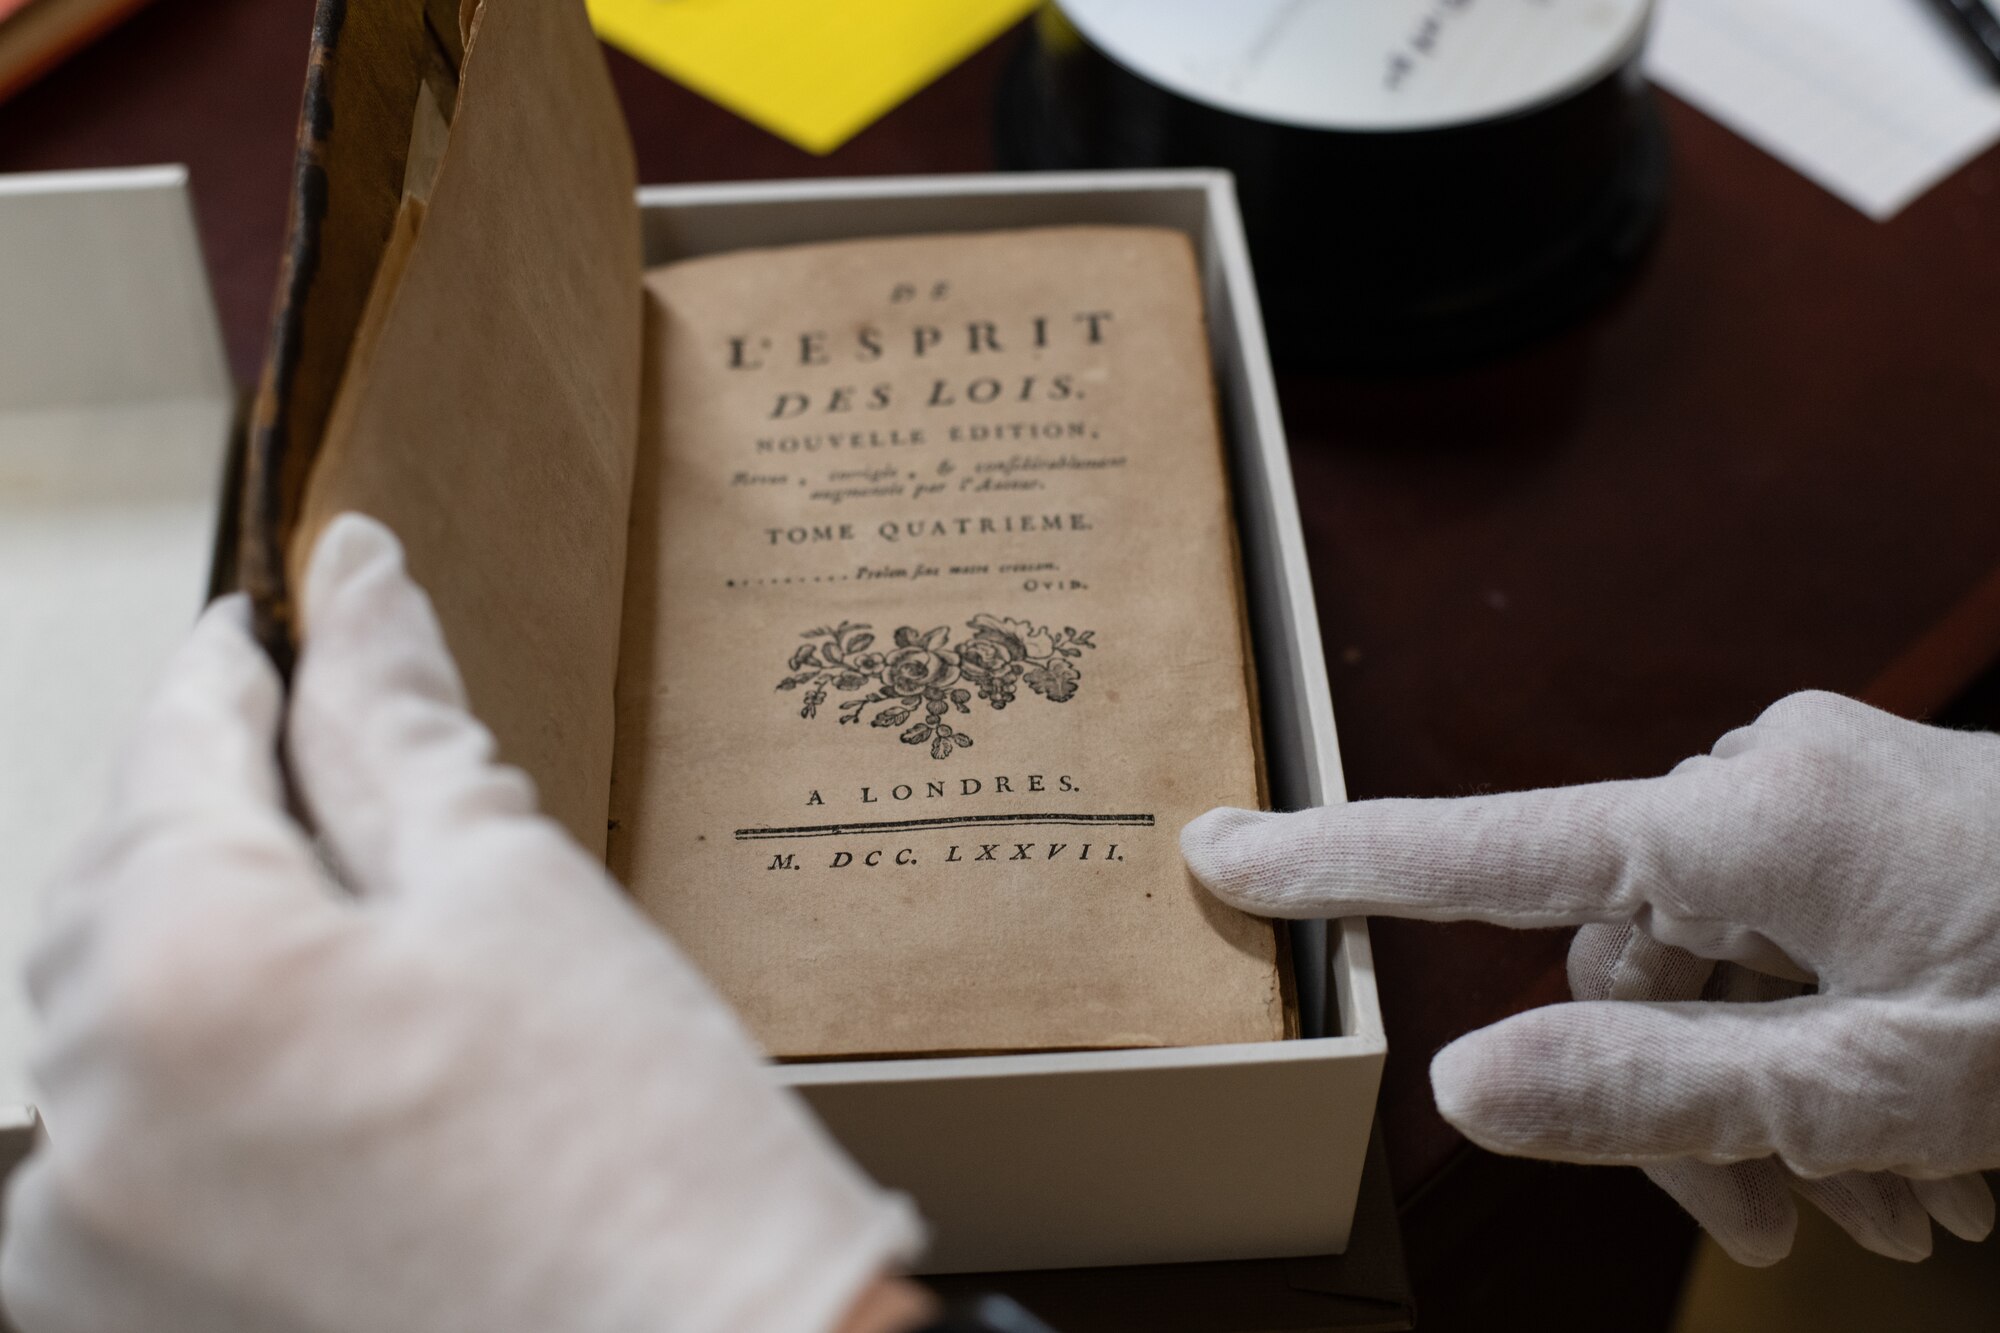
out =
column 459, row 357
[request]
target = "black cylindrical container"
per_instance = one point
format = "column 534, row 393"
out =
column 1383, row 245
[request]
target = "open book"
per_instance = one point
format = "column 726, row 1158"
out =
column 872, row 605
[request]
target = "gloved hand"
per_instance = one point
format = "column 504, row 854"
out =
column 1826, row 842
column 482, row 1093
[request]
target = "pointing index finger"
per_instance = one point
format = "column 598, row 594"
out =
column 1553, row 857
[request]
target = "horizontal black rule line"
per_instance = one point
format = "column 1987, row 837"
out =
column 945, row 821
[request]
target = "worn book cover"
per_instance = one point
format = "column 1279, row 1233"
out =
column 932, row 642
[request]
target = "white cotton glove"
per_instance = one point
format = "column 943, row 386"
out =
column 1826, row 842
column 482, row 1094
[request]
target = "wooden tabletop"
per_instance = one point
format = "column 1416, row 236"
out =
column 1768, row 466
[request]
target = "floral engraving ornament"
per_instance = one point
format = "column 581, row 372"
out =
column 924, row 680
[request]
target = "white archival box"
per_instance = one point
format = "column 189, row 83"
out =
column 1121, row 1157
column 114, row 410
column 115, row 406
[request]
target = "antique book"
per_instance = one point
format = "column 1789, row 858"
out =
column 872, row 607
column 933, row 641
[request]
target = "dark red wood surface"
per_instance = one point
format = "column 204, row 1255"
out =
column 1770, row 465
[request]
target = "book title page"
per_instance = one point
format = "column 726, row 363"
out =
column 933, row 641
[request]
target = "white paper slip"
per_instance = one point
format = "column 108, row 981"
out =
column 1876, row 100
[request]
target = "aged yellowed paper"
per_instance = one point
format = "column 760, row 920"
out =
column 932, row 643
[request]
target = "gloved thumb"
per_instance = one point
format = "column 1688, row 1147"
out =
column 392, row 764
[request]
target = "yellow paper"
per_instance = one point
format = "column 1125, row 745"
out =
column 815, row 72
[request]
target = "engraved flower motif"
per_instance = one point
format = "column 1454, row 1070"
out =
column 987, row 656
column 1018, row 637
column 916, row 685
column 1055, row 680
column 916, row 670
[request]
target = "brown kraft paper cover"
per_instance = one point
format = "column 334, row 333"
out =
column 488, row 394
column 932, row 643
